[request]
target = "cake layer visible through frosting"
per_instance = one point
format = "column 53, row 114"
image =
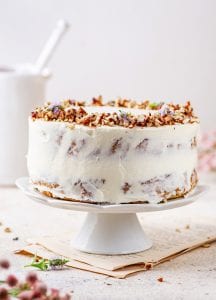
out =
column 112, row 164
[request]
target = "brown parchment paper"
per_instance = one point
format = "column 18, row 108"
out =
column 169, row 241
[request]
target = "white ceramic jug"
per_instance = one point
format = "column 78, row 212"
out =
column 21, row 89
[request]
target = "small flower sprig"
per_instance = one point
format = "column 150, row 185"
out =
column 125, row 115
column 31, row 288
column 48, row 264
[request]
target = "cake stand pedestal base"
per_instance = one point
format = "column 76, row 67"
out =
column 110, row 229
column 111, row 233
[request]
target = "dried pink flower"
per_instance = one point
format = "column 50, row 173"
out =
column 40, row 287
column 3, row 293
column 25, row 295
column 4, row 263
column 31, row 278
column 11, row 280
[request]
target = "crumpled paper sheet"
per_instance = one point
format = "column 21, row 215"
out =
column 168, row 243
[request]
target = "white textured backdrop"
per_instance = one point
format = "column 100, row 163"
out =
column 155, row 49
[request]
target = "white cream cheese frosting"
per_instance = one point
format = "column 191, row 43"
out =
column 111, row 164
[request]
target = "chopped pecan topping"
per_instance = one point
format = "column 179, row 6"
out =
column 72, row 111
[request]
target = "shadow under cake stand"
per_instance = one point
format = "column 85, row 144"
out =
column 109, row 229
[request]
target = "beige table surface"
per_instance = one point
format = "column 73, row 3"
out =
column 191, row 276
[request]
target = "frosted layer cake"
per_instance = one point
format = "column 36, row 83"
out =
column 116, row 152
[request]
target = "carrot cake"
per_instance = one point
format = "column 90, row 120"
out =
column 121, row 151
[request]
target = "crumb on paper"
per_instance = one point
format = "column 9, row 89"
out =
column 206, row 245
column 160, row 279
column 178, row 230
column 7, row 229
column 148, row 266
column 187, row 226
column 1, row 223
column 16, row 238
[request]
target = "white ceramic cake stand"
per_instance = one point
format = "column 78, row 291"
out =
column 110, row 229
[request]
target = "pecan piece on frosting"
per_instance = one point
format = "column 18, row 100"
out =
column 75, row 147
column 142, row 146
column 126, row 187
column 83, row 189
column 116, row 145
column 193, row 143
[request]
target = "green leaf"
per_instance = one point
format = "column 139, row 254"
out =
column 42, row 264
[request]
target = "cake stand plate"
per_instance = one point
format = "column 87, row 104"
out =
column 110, row 229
